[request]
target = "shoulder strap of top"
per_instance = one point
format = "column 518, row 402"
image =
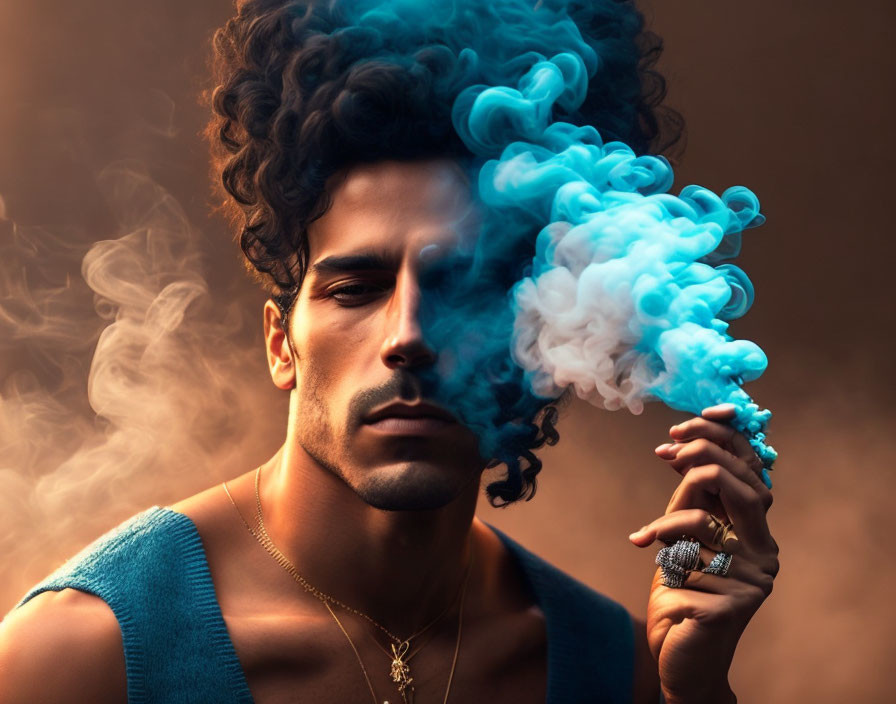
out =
column 590, row 636
column 153, row 574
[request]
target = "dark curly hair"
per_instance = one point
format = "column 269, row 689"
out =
column 300, row 95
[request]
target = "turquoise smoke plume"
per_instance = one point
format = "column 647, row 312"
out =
column 629, row 294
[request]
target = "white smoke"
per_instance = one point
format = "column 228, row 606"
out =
column 147, row 391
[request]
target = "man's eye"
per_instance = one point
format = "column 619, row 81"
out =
column 354, row 294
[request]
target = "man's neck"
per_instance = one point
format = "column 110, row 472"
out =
column 401, row 568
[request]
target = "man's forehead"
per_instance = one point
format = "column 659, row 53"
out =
column 438, row 184
column 384, row 213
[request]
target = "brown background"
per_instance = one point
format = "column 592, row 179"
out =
column 793, row 99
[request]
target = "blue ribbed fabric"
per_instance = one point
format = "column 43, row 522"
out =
column 152, row 572
column 591, row 642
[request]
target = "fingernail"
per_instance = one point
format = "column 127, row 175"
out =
column 637, row 533
column 663, row 448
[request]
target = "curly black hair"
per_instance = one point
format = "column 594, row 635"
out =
column 300, row 95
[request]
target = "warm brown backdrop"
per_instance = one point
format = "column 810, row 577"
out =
column 792, row 99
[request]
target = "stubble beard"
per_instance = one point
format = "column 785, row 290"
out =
column 405, row 486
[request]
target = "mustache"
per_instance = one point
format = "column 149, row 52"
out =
column 402, row 386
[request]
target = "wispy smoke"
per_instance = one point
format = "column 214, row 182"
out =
column 171, row 405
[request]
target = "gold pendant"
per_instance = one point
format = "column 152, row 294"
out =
column 401, row 672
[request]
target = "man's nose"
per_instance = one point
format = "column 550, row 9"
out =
column 404, row 344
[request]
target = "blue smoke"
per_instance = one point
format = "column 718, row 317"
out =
column 630, row 292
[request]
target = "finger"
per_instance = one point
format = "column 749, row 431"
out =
column 746, row 581
column 714, row 428
column 720, row 433
column 720, row 411
column 693, row 522
column 710, row 503
column 742, row 504
column 725, row 414
column 704, row 451
column 707, row 598
column 740, row 569
column 697, row 524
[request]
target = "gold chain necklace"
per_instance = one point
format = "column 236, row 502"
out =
column 400, row 670
column 408, row 696
column 265, row 539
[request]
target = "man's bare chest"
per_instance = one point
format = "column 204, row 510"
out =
column 291, row 649
column 291, row 659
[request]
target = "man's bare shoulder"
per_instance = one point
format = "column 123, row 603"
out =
column 212, row 511
column 646, row 688
column 62, row 647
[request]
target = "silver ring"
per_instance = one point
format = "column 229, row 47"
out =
column 677, row 560
column 719, row 565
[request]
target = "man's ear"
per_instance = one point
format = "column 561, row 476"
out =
column 280, row 359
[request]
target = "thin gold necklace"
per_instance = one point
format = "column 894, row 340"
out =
column 268, row 543
column 408, row 696
column 400, row 671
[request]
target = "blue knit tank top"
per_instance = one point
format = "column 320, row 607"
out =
column 153, row 574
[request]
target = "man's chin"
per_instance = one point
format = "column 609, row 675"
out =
column 412, row 486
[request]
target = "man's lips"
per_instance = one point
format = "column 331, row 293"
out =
column 409, row 419
column 410, row 410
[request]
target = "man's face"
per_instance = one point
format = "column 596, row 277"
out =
column 362, row 362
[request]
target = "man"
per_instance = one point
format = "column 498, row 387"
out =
column 350, row 566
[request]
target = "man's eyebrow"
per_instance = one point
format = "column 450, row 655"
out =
column 364, row 261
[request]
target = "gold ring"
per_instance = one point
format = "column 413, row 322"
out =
column 722, row 532
column 729, row 538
